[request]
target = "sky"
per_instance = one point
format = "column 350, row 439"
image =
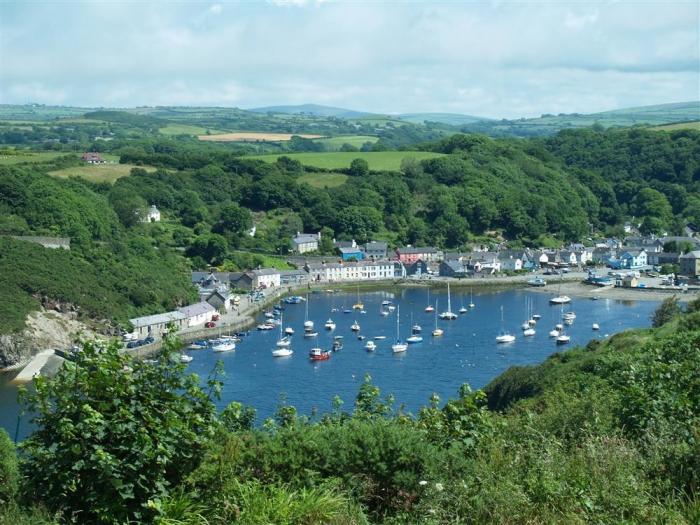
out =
column 499, row 59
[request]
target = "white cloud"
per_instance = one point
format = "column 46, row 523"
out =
column 501, row 59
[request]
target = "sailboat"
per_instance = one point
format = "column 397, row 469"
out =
column 429, row 308
column 438, row 331
column 560, row 299
column 415, row 336
column 330, row 325
column 224, row 344
column 370, row 346
column 448, row 315
column 415, row 328
column 471, row 298
column 284, row 341
column 358, row 305
column 308, row 324
column 504, row 337
column 355, row 327
column 398, row 346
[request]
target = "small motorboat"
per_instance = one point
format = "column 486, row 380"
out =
column 265, row 326
column 355, row 327
column 308, row 325
column 414, row 339
column 360, row 337
column 595, row 326
column 536, row 317
column 563, row 339
column 463, row 310
column 336, row 337
column 416, row 329
column 505, row 338
column 532, row 322
column 529, row 332
column 438, row 332
column 386, row 303
column 185, row 358
column 568, row 322
column 289, row 330
column 282, row 352
column 330, row 325
column 347, row 311
column 569, row 315
column 370, row 346
column 429, row 309
column 200, row 344
column 269, row 315
column 554, row 333
column 559, row 327
column 310, row 334
column 334, row 310
column 379, row 337
column 337, row 345
column 318, row 354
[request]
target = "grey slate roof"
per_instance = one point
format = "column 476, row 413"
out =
column 193, row 310
column 425, row 249
column 149, row 320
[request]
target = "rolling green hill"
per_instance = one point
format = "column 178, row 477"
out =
column 452, row 119
column 312, row 109
column 551, row 124
column 378, row 160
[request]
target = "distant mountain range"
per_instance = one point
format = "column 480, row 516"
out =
column 313, row 109
column 453, row 119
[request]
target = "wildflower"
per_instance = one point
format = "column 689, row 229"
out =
column 439, row 487
column 422, row 483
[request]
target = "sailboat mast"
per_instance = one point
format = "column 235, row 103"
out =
column 449, row 302
column 398, row 316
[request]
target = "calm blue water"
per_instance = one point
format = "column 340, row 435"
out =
column 467, row 353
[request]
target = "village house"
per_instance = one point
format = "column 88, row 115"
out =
column 151, row 215
column 376, row 250
column 410, row 254
column 220, row 300
column 92, row 157
column 305, row 242
column 648, row 244
column 197, row 314
column 452, row 268
column 690, row 264
column 351, row 253
column 293, row 277
column 353, row 271
column 261, row 278
column 417, row 268
column 661, row 258
column 633, row 259
column 512, row 260
column 158, row 324
column 482, row 262
column 567, row 257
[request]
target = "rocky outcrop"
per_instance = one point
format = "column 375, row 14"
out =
column 54, row 328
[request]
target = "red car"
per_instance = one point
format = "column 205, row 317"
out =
column 210, row 324
column 215, row 317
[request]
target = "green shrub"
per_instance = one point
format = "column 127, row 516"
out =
column 114, row 434
column 9, row 475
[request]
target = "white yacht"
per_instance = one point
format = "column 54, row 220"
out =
column 282, row 352
column 330, row 325
column 504, row 336
column 448, row 314
column 370, row 346
column 399, row 346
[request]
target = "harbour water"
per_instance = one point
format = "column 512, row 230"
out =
column 466, row 353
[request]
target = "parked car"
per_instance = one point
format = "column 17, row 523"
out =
column 133, row 344
column 210, row 324
column 215, row 317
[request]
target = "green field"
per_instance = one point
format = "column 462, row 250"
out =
column 323, row 180
column 681, row 125
column 377, row 160
column 30, row 156
column 186, row 129
column 335, row 143
column 98, row 172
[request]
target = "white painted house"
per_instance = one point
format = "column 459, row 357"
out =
column 197, row 314
column 157, row 324
column 152, row 215
column 353, row 271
